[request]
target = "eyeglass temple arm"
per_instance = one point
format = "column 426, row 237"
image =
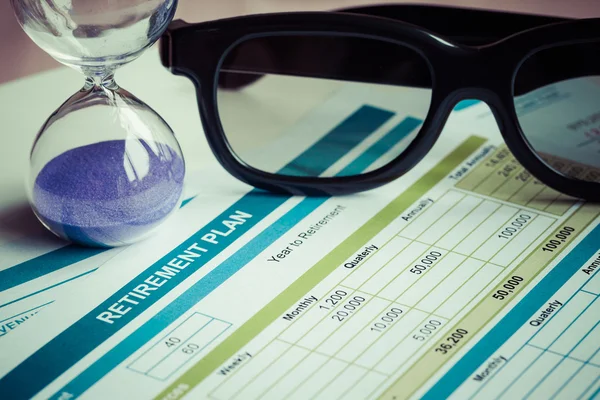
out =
column 469, row 26
column 463, row 25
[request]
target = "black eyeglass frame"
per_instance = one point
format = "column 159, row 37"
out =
column 459, row 71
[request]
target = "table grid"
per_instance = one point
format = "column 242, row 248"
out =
column 562, row 354
column 502, row 177
column 374, row 281
column 477, row 316
column 179, row 346
column 319, row 361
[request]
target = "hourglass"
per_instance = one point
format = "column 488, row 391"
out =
column 105, row 169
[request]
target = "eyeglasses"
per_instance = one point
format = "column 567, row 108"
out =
column 512, row 62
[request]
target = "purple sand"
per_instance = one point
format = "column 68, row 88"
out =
column 94, row 195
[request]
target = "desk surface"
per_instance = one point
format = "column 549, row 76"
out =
column 26, row 58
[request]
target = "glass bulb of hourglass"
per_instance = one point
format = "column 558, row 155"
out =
column 94, row 36
column 105, row 169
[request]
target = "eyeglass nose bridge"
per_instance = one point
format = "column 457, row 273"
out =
column 490, row 97
column 444, row 105
column 482, row 74
column 470, row 73
column 495, row 100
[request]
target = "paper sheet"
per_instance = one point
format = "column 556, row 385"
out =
column 466, row 278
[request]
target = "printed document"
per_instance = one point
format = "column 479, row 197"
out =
column 465, row 278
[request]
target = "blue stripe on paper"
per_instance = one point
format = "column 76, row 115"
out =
column 465, row 104
column 44, row 265
column 382, row 146
column 48, row 288
column 336, row 144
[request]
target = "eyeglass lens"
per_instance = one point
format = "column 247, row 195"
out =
column 557, row 100
column 273, row 94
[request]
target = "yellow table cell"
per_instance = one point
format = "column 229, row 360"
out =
column 485, row 169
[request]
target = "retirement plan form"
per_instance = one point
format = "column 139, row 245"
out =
column 436, row 285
